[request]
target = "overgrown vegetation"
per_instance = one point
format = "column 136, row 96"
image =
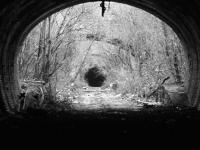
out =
column 133, row 49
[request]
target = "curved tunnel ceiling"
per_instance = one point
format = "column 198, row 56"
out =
column 20, row 16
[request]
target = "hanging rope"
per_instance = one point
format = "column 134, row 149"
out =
column 102, row 5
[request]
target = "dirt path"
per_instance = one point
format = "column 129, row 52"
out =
column 96, row 98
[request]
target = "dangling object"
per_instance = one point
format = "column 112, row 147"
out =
column 102, row 5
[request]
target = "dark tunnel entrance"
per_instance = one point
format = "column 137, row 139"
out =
column 94, row 77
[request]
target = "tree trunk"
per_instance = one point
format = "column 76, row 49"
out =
column 41, row 52
column 170, row 56
column 177, row 71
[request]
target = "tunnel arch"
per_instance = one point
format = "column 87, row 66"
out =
column 20, row 16
column 94, row 77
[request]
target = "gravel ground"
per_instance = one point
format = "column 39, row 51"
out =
column 111, row 120
column 162, row 120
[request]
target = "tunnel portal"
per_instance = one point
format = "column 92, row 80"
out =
column 94, row 77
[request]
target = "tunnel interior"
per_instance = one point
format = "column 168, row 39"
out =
column 17, row 22
column 94, row 77
column 17, row 18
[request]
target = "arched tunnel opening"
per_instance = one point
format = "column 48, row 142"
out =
column 94, row 77
column 16, row 22
column 121, row 65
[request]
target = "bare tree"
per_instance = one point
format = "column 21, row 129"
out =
column 54, row 46
column 172, row 52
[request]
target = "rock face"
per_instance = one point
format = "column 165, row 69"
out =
column 114, row 86
column 19, row 16
column 177, row 94
column 33, row 98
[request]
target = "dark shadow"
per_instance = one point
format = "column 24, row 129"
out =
column 94, row 77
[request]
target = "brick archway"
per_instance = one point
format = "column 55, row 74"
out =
column 20, row 16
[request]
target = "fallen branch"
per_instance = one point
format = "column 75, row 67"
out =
column 149, row 95
column 149, row 103
column 32, row 81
